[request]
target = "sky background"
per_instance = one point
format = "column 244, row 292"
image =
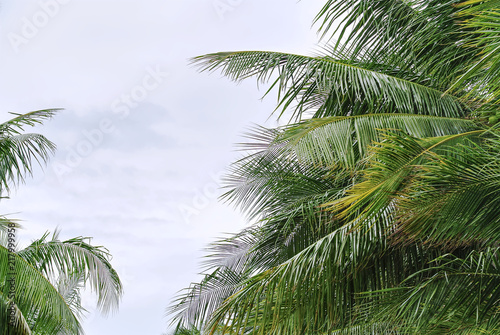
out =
column 144, row 138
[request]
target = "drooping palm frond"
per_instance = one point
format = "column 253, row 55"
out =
column 226, row 269
column 195, row 305
column 284, row 235
column 77, row 256
column 329, row 85
column 269, row 179
column 230, row 264
column 17, row 154
column 70, row 287
column 232, row 252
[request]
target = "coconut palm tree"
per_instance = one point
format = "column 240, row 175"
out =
column 40, row 285
column 378, row 204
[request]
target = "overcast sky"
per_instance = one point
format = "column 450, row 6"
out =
column 143, row 138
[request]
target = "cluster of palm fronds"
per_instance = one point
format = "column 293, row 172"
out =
column 40, row 285
column 378, row 210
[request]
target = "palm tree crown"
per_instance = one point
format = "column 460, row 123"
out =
column 375, row 210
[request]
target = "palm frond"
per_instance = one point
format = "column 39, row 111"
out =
column 267, row 180
column 332, row 141
column 459, row 188
column 77, row 256
column 18, row 150
column 226, row 268
column 316, row 290
column 325, row 83
column 16, row 125
column 17, row 154
column 36, row 300
column 13, row 320
column 419, row 35
column 428, row 307
column 69, row 287
column 391, row 165
column 480, row 77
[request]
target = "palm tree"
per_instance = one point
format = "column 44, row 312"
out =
column 40, row 284
column 379, row 203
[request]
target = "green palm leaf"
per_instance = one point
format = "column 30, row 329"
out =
column 391, row 165
column 418, row 35
column 226, row 268
column 77, row 256
column 325, row 83
column 331, row 141
column 480, row 77
column 288, row 298
column 37, row 302
column 459, row 188
column 428, row 307
column 18, row 150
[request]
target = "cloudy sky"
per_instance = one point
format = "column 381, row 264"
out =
column 143, row 138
